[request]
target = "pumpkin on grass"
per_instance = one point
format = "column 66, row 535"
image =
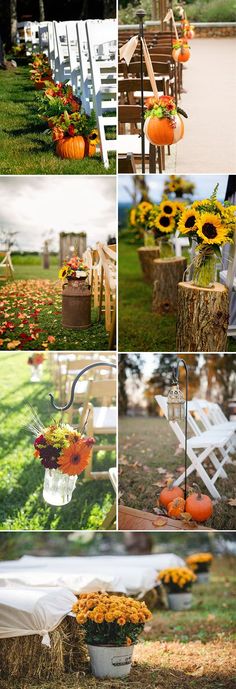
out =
column 176, row 508
column 71, row 147
column 199, row 505
column 163, row 123
column 170, row 493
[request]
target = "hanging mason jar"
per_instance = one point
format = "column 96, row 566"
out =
column 58, row 487
column 166, row 248
column 36, row 374
column 204, row 268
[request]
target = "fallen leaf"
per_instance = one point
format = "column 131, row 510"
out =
column 186, row 516
column 161, row 470
column 159, row 522
column 232, row 502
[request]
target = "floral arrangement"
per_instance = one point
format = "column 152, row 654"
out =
column 161, row 107
column 211, row 224
column 41, row 70
column 59, row 446
column 179, row 186
column 110, row 619
column 181, row 43
column 36, row 359
column 156, row 221
column 177, row 579
column 73, row 268
column 187, row 29
column 199, row 562
column 73, row 124
column 56, row 99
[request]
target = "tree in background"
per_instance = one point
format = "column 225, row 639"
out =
column 41, row 11
column 221, row 369
column 129, row 365
column 161, row 378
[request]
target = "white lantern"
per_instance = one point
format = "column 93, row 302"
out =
column 175, row 404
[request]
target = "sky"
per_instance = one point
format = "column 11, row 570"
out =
column 204, row 185
column 33, row 206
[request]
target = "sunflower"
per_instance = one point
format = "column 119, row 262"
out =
column 75, row 458
column 132, row 217
column 211, row 230
column 94, row 137
column 180, row 206
column 164, row 223
column 188, row 221
column 63, row 272
column 168, row 207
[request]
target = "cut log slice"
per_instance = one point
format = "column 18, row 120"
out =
column 166, row 276
column 147, row 254
column 202, row 318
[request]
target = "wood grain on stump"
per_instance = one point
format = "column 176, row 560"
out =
column 167, row 273
column 202, row 318
column 147, row 254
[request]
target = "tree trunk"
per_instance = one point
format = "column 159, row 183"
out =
column 41, row 11
column 154, row 10
column 202, row 318
column 147, row 254
column 166, row 275
column 13, row 19
column 2, row 55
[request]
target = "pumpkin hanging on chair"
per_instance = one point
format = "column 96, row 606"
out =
column 163, row 123
column 199, row 505
column 181, row 51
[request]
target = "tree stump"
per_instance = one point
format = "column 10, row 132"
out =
column 202, row 318
column 166, row 276
column 147, row 254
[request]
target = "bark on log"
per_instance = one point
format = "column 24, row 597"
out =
column 166, row 276
column 202, row 318
column 147, row 254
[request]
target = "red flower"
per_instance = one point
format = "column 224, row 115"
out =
column 151, row 102
column 71, row 130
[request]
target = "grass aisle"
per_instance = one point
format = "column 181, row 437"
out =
column 181, row 650
column 141, row 330
column 21, row 476
column 148, row 457
column 31, row 318
column 24, row 147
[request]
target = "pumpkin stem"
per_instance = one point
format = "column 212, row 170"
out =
column 199, row 495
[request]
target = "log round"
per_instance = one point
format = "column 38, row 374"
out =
column 167, row 273
column 202, row 318
column 147, row 254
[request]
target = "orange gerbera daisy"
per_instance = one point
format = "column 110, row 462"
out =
column 75, row 458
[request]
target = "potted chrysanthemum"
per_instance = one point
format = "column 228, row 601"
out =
column 64, row 454
column 200, row 564
column 178, row 583
column 211, row 224
column 111, row 625
column 76, row 294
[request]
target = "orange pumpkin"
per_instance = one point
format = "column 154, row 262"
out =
column 176, row 507
column 71, row 147
column 181, row 54
column 161, row 132
column 169, row 494
column 199, row 506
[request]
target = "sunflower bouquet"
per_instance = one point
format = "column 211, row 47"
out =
column 211, row 224
column 177, row 579
column 200, row 562
column 138, row 220
column 163, row 221
column 110, row 619
column 73, row 269
column 59, row 446
column 178, row 186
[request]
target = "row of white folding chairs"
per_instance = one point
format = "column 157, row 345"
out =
column 28, row 34
column 84, row 53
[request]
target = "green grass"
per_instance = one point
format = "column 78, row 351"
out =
column 148, row 457
column 178, row 650
column 141, row 330
column 31, row 311
column 24, row 146
column 21, row 476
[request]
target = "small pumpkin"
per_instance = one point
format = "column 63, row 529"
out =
column 163, row 132
column 199, row 505
column 176, row 507
column 170, row 493
column 181, row 53
column 71, row 147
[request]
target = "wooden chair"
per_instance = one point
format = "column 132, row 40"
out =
column 131, row 114
column 6, row 265
column 108, row 258
column 126, row 164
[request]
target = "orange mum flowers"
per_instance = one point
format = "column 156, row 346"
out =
column 75, row 458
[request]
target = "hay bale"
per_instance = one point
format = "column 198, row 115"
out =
column 24, row 657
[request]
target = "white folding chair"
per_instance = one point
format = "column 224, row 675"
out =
column 200, row 447
column 101, row 36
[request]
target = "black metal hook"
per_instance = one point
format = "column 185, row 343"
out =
column 72, row 392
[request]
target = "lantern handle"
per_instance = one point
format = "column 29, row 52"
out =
column 72, row 392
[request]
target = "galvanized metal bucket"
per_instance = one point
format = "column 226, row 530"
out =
column 180, row 601
column 110, row 661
